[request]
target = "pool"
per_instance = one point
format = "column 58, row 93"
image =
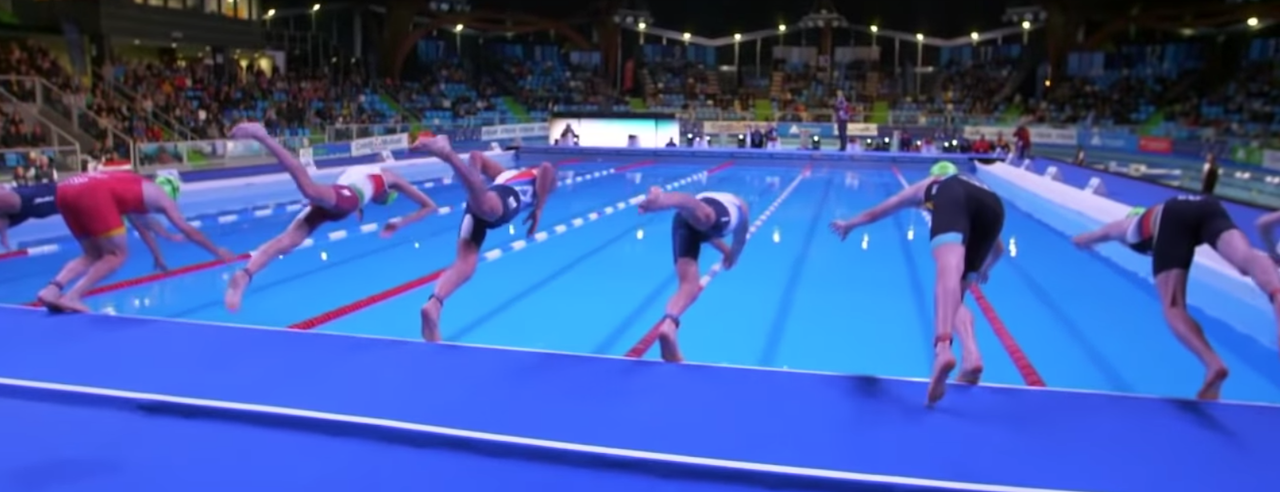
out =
column 799, row 299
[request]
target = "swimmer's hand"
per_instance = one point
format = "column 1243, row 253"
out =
column 225, row 254
column 728, row 261
column 841, row 228
column 1083, row 241
column 389, row 228
column 650, row 202
column 532, row 219
column 161, row 266
column 249, row 131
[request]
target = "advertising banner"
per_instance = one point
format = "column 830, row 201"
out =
column 329, row 151
column 1155, row 145
column 827, row 130
column 732, row 127
column 374, row 145
column 1109, row 140
column 522, row 130
column 617, row 132
column 1039, row 134
column 1271, row 159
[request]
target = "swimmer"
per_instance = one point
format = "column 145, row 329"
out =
column 489, row 206
column 707, row 217
column 965, row 233
column 356, row 187
column 95, row 207
column 23, row 203
column 1267, row 231
column 1169, row 233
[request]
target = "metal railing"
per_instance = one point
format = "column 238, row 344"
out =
column 164, row 121
column 67, row 159
column 203, row 154
column 73, row 109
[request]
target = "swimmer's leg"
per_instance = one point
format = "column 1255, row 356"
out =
column 699, row 215
column 949, row 259
column 320, row 195
column 970, row 356
column 297, row 232
column 457, row 275
column 1234, row 247
column 480, row 201
column 690, row 286
column 110, row 253
column 72, row 270
column 489, row 168
column 1172, row 287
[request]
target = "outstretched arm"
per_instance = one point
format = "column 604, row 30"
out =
column 544, row 184
column 140, row 222
column 401, row 185
column 171, row 212
column 1113, row 231
column 911, row 196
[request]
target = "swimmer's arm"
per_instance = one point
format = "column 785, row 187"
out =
column 148, row 237
column 171, row 212
column 906, row 198
column 425, row 204
column 1267, row 229
column 1113, row 231
column 155, row 226
column 740, row 232
column 997, row 251
column 4, row 233
column 544, row 183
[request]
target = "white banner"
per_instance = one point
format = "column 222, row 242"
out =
column 731, row 127
column 307, row 158
column 1271, row 159
column 499, row 132
column 375, row 145
column 1044, row 135
column 863, row 130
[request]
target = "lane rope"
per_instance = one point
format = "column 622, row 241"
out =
column 496, row 253
column 646, row 342
column 1021, row 362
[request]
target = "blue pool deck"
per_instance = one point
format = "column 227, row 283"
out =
column 807, row 365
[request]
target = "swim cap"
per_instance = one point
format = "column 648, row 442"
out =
column 387, row 198
column 1136, row 211
column 943, row 169
column 170, row 184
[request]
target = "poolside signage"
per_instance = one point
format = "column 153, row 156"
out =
column 500, row 132
column 1039, row 134
column 374, row 145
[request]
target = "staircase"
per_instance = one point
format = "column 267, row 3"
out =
column 777, row 84
column 75, row 123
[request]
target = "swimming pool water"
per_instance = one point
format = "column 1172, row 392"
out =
column 799, row 298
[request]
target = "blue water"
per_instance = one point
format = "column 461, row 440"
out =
column 799, row 298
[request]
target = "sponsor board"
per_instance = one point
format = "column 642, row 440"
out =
column 1155, row 145
column 828, row 130
column 374, row 145
column 731, row 127
column 1039, row 134
column 329, row 151
column 1271, row 159
column 500, row 132
column 1109, row 140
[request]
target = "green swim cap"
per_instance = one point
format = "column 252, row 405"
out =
column 943, row 169
column 171, row 186
column 1136, row 211
column 391, row 197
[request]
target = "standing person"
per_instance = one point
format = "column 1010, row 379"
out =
column 1169, row 233
column 489, row 206
column 707, row 217
column 965, row 233
column 95, row 207
column 356, row 187
column 842, row 120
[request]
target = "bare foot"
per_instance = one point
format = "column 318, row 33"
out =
column 969, row 375
column 69, row 304
column 1212, row 387
column 48, row 296
column 943, row 364
column 667, row 343
column 235, row 290
column 431, row 319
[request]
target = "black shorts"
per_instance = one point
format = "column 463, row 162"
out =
column 1185, row 223
column 686, row 240
column 969, row 214
column 475, row 229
